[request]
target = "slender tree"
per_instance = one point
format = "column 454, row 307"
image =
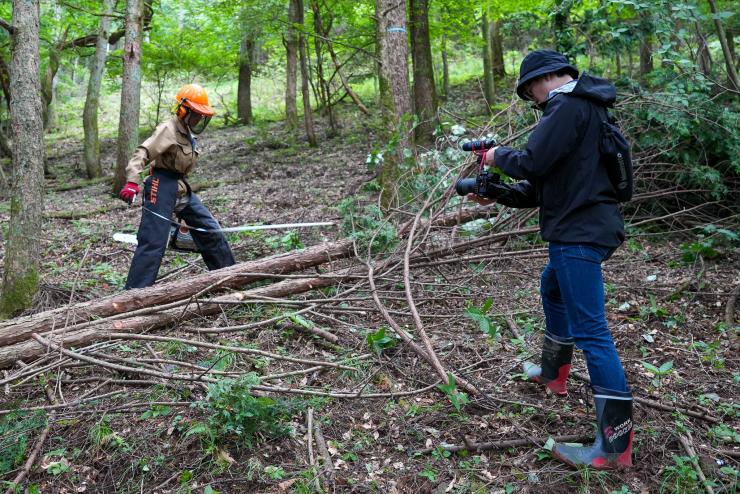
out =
column 291, row 68
column 488, row 82
column 244, row 89
column 90, row 114
column 321, row 38
column 425, row 92
column 729, row 62
column 395, row 97
column 445, row 67
column 646, row 45
column 497, row 50
column 128, row 123
column 47, row 84
column 22, row 258
column 305, row 76
column 703, row 56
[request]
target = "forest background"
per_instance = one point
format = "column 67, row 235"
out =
column 361, row 104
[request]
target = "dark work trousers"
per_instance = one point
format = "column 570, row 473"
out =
column 160, row 196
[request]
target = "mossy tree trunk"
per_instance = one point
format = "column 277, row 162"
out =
column 425, row 91
column 128, row 123
column 91, row 150
column 22, row 257
column 395, row 96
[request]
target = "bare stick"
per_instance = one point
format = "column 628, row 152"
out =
column 328, row 465
column 511, row 443
column 63, row 405
column 686, row 443
column 31, row 458
column 121, row 368
column 730, row 314
column 235, row 349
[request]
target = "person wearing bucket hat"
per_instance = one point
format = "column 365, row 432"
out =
column 170, row 154
column 541, row 63
column 560, row 172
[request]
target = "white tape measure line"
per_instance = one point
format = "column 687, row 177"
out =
column 244, row 228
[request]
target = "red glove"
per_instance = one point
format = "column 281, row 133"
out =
column 129, row 192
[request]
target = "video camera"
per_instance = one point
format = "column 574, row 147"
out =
column 485, row 183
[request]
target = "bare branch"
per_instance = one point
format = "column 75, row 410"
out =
column 7, row 26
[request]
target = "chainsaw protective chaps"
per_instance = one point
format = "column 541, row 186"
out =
column 160, row 196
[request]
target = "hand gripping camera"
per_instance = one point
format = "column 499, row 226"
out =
column 485, row 183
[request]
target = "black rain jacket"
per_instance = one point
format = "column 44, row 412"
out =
column 561, row 168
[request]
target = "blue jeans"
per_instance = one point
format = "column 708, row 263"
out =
column 572, row 290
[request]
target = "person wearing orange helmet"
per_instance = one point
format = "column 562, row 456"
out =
column 169, row 155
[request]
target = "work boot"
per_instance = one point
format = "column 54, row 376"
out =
column 557, row 354
column 613, row 446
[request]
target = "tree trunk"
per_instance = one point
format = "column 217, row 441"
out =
column 646, row 46
column 704, row 58
column 395, row 97
column 729, row 62
column 425, row 91
column 731, row 44
column 128, row 123
column 22, row 258
column 291, row 51
column 497, row 50
column 488, row 82
column 646, row 57
column 445, row 68
column 90, row 114
column 324, row 89
column 244, row 91
column 305, row 75
column 562, row 37
column 47, row 86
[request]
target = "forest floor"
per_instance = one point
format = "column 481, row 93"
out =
column 158, row 438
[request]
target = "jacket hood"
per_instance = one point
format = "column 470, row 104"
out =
column 596, row 89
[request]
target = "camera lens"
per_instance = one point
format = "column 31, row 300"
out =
column 465, row 186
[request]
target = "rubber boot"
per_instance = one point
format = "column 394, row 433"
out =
column 557, row 354
column 613, row 446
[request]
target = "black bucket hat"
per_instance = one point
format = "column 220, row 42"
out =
column 541, row 62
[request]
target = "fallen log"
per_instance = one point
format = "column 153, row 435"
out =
column 19, row 329
column 237, row 276
column 102, row 329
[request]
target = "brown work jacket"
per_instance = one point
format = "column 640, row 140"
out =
column 169, row 147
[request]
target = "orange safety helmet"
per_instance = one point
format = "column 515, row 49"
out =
column 194, row 97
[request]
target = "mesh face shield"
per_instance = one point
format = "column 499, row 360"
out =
column 196, row 122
